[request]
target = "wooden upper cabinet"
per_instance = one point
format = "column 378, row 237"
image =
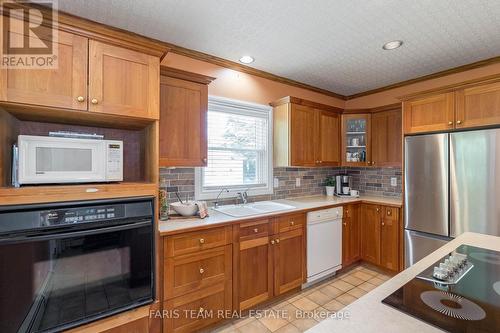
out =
column 478, row 106
column 386, row 138
column 370, row 233
column 289, row 260
column 356, row 139
column 389, row 238
column 63, row 87
column 303, row 140
column 428, row 114
column 329, row 138
column 183, row 118
column 305, row 133
column 123, row 82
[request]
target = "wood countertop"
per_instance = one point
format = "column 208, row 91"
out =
column 302, row 204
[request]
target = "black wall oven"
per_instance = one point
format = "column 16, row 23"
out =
column 66, row 264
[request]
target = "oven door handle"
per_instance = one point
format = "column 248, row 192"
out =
column 69, row 234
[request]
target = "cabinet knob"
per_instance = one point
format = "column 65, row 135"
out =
column 378, row 209
column 450, row 123
column 202, row 241
column 277, row 241
column 389, row 212
column 292, row 223
column 317, row 162
column 80, row 99
column 459, row 122
column 204, row 159
column 94, row 101
column 202, row 271
column 272, row 242
column 256, row 230
column 344, row 223
column 320, row 161
column 383, row 223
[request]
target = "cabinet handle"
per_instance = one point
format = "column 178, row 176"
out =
column 202, row 240
column 256, row 230
column 202, row 271
column 94, row 101
column 80, row 99
column 459, row 122
column 277, row 241
column 272, row 242
column 292, row 223
column 450, row 123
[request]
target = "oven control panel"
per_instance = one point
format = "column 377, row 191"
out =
column 81, row 215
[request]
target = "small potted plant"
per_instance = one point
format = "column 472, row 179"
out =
column 330, row 186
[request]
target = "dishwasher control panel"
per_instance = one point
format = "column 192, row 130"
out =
column 325, row 214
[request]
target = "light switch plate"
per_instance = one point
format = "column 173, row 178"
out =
column 394, row 181
column 276, row 182
column 297, row 182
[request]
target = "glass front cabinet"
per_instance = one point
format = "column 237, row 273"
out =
column 356, row 140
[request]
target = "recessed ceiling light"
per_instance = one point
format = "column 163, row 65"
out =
column 392, row 45
column 247, row 59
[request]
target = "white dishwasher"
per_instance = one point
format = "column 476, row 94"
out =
column 324, row 243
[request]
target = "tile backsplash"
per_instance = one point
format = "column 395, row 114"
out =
column 369, row 181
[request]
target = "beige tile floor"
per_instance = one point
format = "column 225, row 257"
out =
column 301, row 311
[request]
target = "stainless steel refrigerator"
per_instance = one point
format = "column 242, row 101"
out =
column 452, row 185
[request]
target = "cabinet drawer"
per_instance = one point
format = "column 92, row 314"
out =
column 194, row 311
column 290, row 222
column 196, row 241
column 391, row 213
column 254, row 229
column 191, row 272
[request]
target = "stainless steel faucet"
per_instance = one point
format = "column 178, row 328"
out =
column 216, row 203
column 243, row 196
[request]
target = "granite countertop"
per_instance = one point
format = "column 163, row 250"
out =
column 301, row 204
column 369, row 314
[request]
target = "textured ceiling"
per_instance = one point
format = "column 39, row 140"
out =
column 334, row 45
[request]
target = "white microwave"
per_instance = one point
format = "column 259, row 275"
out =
column 53, row 160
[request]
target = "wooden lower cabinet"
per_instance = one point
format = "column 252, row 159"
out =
column 269, row 264
column 253, row 275
column 196, row 310
column 136, row 326
column 289, row 260
column 380, row 236
column 351, row 233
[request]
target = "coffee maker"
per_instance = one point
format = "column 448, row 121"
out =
column 343, row 185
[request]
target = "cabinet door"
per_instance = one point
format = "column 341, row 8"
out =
column 63, row 87
column 434, row 113
column 303, row 136
column 123, row 82
column 354, row 233
column 478, row 106
column 329, row 138
column 389, row 239
column 356, row 144
column 370, row 233
column 387, row 138
column 253, row 272
column 289, row 260
column 183, row 123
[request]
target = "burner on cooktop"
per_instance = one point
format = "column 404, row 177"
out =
column 496, row 287
column 452, row 305
column 490, row 258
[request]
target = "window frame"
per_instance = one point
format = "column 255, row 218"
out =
column 238, row 107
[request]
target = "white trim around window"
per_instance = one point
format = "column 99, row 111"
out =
column 264, row 170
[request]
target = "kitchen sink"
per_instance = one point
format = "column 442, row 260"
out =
column 256, row 208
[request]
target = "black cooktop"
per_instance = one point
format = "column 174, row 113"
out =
column 470, row 305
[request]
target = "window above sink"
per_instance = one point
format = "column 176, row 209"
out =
column 239, row 150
